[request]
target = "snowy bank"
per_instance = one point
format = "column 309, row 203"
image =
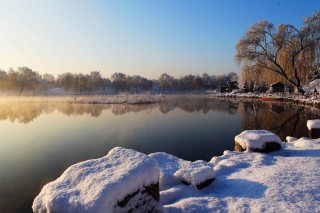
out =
column 121, row 181
column 283, row 181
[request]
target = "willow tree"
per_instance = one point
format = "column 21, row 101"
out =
column 285, row 51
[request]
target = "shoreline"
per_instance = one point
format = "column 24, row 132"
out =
column 300, row 101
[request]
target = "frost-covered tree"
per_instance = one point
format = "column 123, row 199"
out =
column 119, row 81
column 27, row 78
column 165, row 81
column 3, row 79
column 286, row 51
column 95, row 80
column 197, row 83
column 66, row 80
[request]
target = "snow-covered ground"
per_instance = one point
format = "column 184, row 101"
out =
column 283, row 181
column 309, row 98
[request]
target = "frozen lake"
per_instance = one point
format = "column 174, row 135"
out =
column 40, row 140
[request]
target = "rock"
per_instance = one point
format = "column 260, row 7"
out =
column 196, row 174
column 122, row 181
column 176, row 171
column 314, row 128
column 257, row 141
column 314, row 133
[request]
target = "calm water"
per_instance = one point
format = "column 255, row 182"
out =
column 40, row 140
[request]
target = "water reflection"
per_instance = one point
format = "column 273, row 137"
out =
column 282, row 118
column 26, row 112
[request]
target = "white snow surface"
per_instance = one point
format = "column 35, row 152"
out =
column 194, row 174
column 313, row 124
column 290, row 139
column 283, row 181
column 96, row 185
column 255, row 139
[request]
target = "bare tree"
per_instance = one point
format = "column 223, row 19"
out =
column 3, row 79
column 165, row 81
column 286, row 51
column 119, row 81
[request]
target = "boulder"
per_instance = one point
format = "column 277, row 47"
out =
column 257, row 141
column 314, row 128
column 176, row 171
column 122, row 181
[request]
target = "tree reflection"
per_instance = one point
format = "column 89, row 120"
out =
column 26, row 112
column 284, row 119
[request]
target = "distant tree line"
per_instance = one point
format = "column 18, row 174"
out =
column 286, row 53
column 25, row 79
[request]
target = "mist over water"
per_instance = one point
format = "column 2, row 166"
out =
column 40, row 138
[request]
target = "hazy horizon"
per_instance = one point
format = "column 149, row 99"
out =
column 134, row 37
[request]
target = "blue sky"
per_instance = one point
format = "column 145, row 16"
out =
column 145, row 37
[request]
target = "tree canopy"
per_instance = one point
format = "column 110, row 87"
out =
column 285, row 50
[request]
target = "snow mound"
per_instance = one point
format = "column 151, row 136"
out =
column 256, row 139
column 313, row 124
column 195, row 174
column 174, row 170
column 291, row 139
column 98, row 185
column 306, row 142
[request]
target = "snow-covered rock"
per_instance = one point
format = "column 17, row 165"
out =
column 257, row 140
column 290, row 139
column 122, row 181
column 195, row 174
column 314, row 128
column 313, row 124
column 175, row 170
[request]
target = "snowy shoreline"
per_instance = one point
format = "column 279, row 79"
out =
column 119, row 99
column 282, row 181
column 313, row 102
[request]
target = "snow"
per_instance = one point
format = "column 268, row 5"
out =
column 96, row 185
column 194, row 174
column 290, row 139
column 120, row 99
column 175, row 170
column 306, row 143
column 313, row 124
column 283, row 181
column 255, row 139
